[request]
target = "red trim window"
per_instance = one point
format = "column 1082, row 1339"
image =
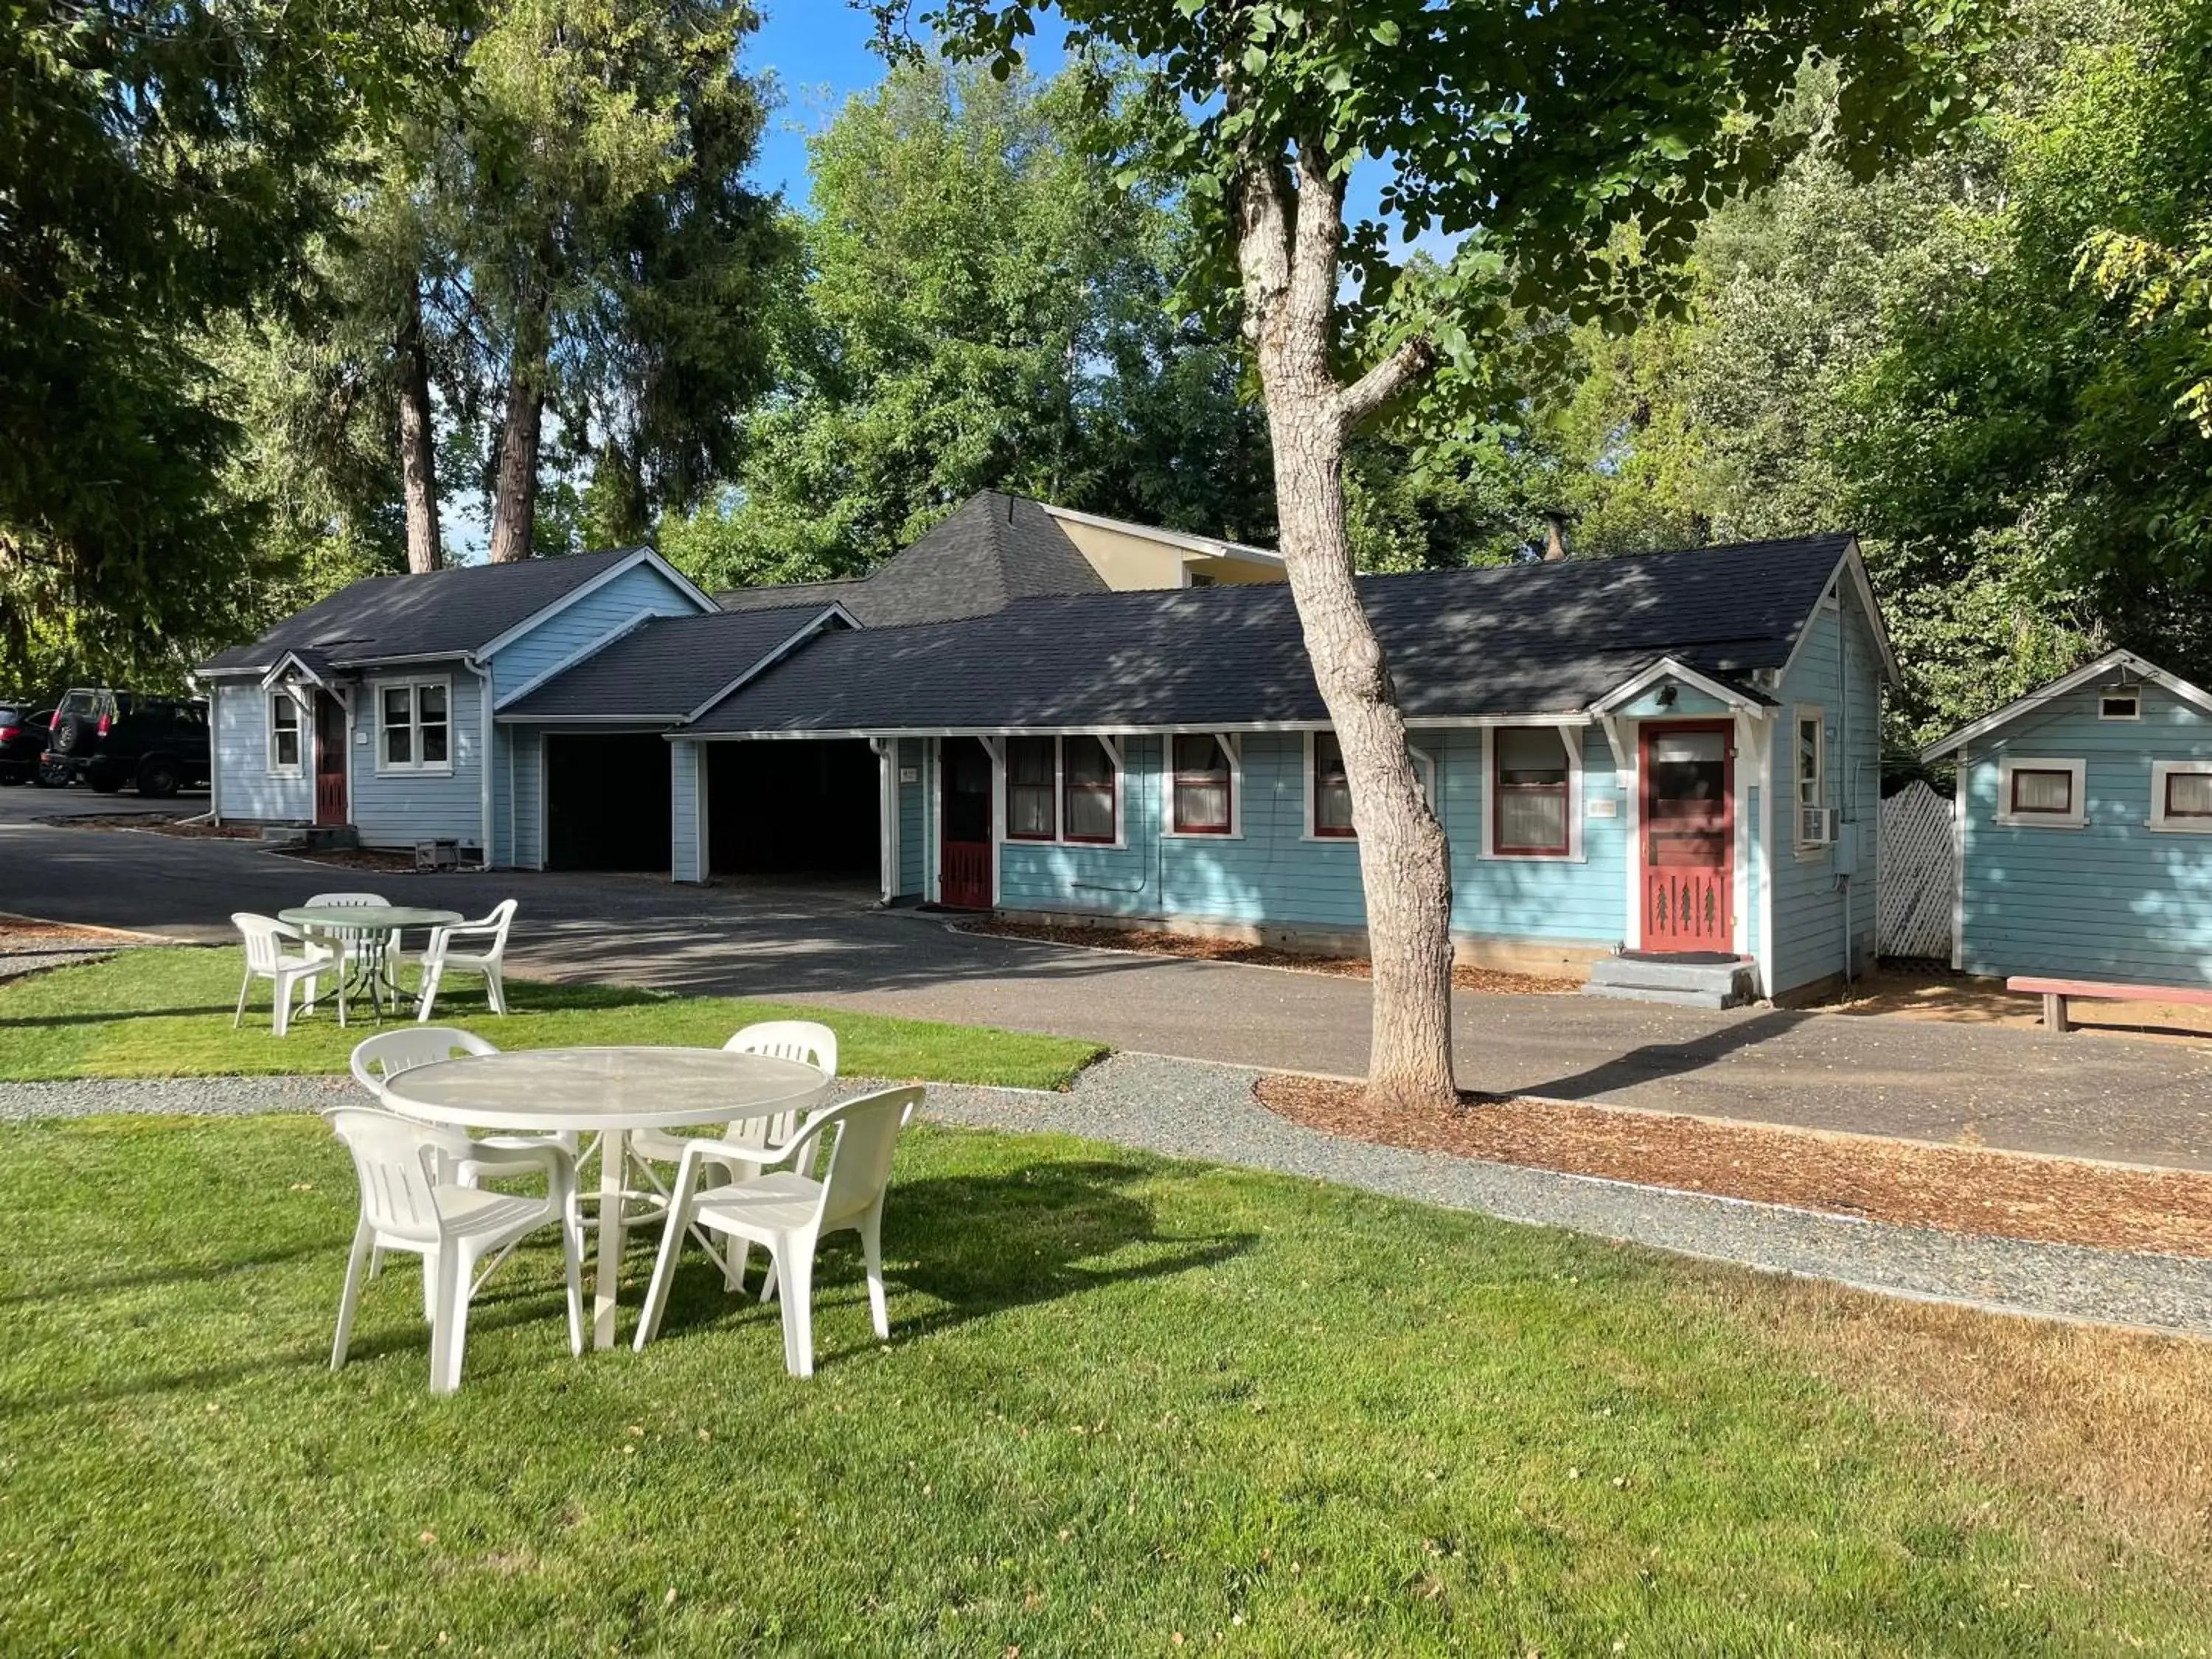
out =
column 1030, row 790
column 1528, row 792
column 1086, row 789
column 1332, row 789
column 2188, row 794
column 2047, row 791
column 1205, row 785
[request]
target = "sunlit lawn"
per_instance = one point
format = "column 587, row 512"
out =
column 1125, row 1401
column 166, row 1012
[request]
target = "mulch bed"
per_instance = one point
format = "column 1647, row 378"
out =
column 157, row 823
column 1153, row 942
column 356, row 858
column 1964, row 1190
column 25, row 936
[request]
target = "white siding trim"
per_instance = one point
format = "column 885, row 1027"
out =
column 1961, row 796
column 1232, row 746
column 1570, row 738
column 2160, row 772
column 414, row 684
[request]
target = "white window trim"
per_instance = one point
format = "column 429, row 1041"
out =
column 1572, row 736
column 2134, row 692
column 415, row 685
column 1232, row 745
column 1059, row 837
column 2160, row 772
column 1808, row 852
column 277, row 767
column 2077, row 819
column 1424, row 768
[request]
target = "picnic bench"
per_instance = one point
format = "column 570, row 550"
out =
column 2057, row 993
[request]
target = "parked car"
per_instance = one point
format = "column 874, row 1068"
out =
column 109, row 739
column 22, row 740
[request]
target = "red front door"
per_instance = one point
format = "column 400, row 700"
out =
column 964, row 825
column 330, row 759
column 1689, row 837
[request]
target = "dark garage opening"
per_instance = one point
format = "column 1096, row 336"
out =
column 607, row 802
column 806, row 806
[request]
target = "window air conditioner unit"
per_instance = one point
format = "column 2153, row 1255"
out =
column 1816, row 826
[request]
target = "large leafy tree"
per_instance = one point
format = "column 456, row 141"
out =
column 980, row 305
column 161, row 167
column 1574, row 149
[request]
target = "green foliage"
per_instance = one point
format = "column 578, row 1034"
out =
column 160, row 166
column 981, row 306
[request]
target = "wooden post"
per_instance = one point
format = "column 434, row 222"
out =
column 2054, row 1013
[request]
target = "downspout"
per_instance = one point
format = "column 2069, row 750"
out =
column 215, row 747
column 887, row 846
column 1849, row 788
column 482, row 671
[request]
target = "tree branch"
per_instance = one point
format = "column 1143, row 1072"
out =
column 1413, row 358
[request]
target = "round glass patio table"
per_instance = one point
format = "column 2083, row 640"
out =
column 374, row 930
column 608, row 1092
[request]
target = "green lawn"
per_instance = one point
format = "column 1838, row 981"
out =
column 1125, row 1401
column 166, row 1012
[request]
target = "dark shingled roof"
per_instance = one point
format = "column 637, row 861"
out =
column 1521, row 638
column 662, row 670
column 441, row 612
column 994, row 550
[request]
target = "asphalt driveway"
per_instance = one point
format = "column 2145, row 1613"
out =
column 2081, row 1095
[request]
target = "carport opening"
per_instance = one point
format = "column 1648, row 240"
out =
column 607, row 802
column 806, row 807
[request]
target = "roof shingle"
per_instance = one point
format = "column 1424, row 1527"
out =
column 660, row 671
column 1521, row 639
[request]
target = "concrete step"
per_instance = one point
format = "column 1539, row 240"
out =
column 1723, row 984
column 1715, row 999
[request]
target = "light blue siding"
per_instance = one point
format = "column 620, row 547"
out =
column 688, row 815
column 1274, row 875
column 248, row 789
column 586, row 621
column 1838, row 671
column 526, row 770
column 1688, row 702
column 399, row 808
column 2113, row 900
column 913, row 832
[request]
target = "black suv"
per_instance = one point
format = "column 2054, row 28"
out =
column 109, row 739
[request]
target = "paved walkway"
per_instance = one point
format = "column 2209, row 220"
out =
column 2085, row 1096
column 1208, row 1112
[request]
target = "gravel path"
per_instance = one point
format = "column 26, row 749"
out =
column 1185, row 1109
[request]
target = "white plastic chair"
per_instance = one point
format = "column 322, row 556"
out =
column 265, row 958
column 805, row 1040
column 406, row 1204
column 489, row 962
column 787, row 1214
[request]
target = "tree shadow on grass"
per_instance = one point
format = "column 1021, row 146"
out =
column 979, row 1245
column 205, row 1272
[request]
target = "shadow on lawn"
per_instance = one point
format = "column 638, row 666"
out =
column 524, row 997
column 977, row 1245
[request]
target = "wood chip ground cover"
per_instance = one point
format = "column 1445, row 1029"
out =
column 1161, row 942
column 1959, row 1190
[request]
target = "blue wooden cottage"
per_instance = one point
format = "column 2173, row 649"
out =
column 2081, row 815
column 1661, row 770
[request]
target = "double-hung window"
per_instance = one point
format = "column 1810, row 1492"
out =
column 1061, row 789
column 284, row 734
column 1205, row 785
column 1528, row 793
column 1029, row 789
column 1332, row 788
column 1088, row 788
column 415, row 727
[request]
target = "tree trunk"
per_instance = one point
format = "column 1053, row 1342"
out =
column 514, row 492
column 418, row 472
column 1290, row 276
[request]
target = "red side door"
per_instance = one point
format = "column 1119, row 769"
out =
column 1689, row 837
column 964, row 825
column 331, row 805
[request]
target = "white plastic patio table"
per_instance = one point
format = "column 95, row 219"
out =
column 608, row 1092
column 386, row 922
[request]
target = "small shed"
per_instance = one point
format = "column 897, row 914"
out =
column 2082, row 816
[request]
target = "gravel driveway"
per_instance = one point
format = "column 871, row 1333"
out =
column 1195, row 1110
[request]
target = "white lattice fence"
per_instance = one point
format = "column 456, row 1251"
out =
column 1919, row 873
